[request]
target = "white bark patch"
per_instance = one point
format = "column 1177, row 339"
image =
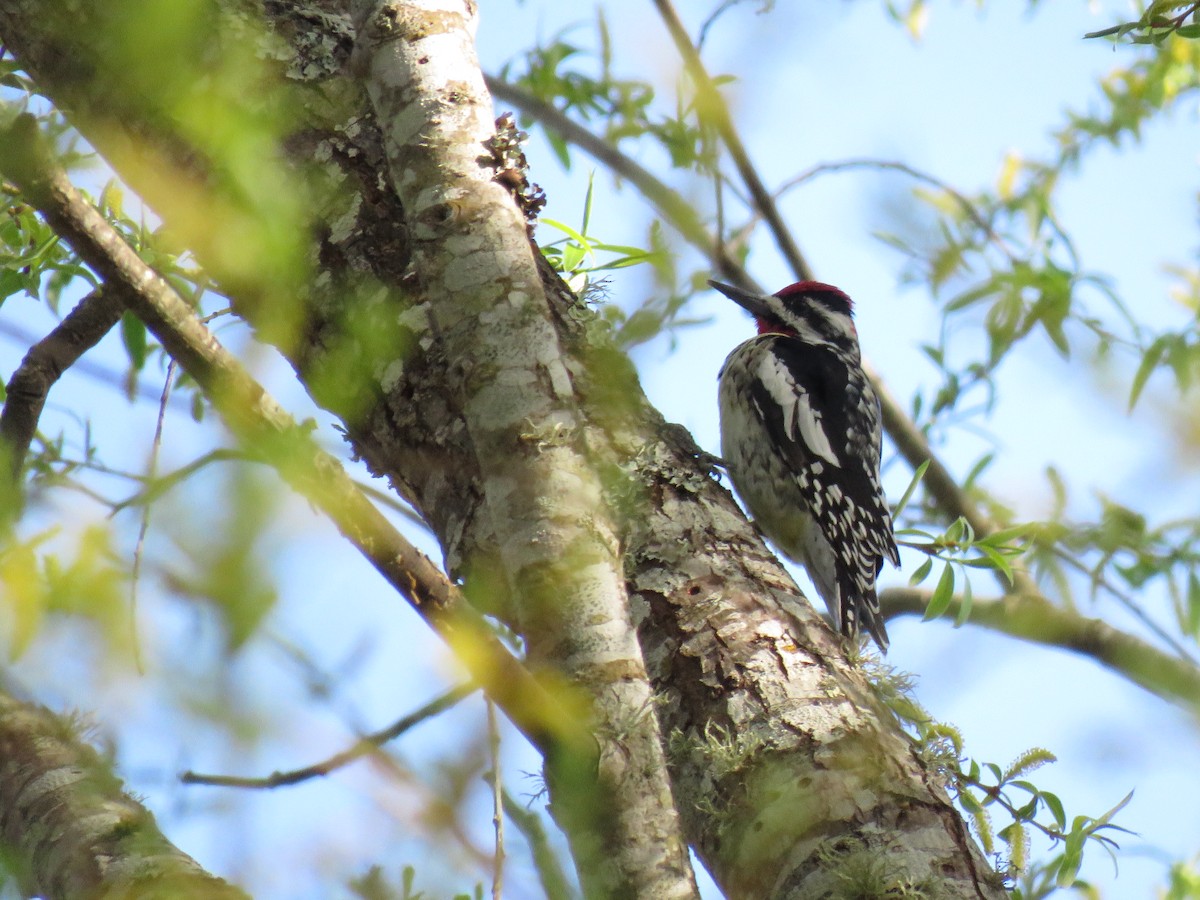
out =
column 392, row 375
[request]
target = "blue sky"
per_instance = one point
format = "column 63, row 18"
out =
column 813, row 87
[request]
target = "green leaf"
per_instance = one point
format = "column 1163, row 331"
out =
column 922, row 572
column 133, row 335
column 942, row 594
column 955, row 532
column 964, row 610
column 565, row 229
column 977, row 470
column 1193, row 604
column 1150, row 360
column 1072, row 858
column 587, row 201
column 1056, row 809
column 998, row 561
column 1107, row 817
column 912, row 486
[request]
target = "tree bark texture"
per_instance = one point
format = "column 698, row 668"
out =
column 556, row 539
column 496, row 406
column 72, row 829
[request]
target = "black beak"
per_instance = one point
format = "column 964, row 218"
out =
column 755, row 304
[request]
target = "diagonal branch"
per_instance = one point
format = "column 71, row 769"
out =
column 91, row 319
column 364, row 746
column 70, row 827
column 1032, row 617
column 264, row 427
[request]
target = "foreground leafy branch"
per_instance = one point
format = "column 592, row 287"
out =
column 268, row 431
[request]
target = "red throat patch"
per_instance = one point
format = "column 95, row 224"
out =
column 767, row 327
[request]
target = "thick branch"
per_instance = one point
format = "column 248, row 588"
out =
column 1032, row 617
column 71, row 830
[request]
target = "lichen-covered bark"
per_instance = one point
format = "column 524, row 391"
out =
column 789, row 775
column 555, row 537
column 72, row 830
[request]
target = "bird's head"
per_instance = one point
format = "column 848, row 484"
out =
column 811, row 310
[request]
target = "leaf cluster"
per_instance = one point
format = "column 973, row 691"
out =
column 558, row 73
column 984, row 789
column 1161, row 20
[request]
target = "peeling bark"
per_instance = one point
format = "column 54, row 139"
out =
column 789, row 775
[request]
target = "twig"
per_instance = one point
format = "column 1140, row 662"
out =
column 961, row 199
column 551, row 874
column 1099, row 580
column 156, row 487
column 1032, row 617
column 144, row 525
column 365, row 746
column 497, row 784
column 91, row 319
column 261, row 424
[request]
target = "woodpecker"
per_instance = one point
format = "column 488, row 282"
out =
column 801, row 441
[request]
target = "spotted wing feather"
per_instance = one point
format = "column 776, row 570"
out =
column 807, row 397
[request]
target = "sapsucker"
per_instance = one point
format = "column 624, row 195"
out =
column 800, row 438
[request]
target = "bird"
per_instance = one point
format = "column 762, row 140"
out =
column 801, row 440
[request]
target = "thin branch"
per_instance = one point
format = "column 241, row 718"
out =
column 91, row 319
column 144, row 525
column 364, row 746
column 497, row 784
column 157, row 486
column 1033, row 618
column 555, row 883
column 261, row 424
column 1099, row 580
column 972, row 212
